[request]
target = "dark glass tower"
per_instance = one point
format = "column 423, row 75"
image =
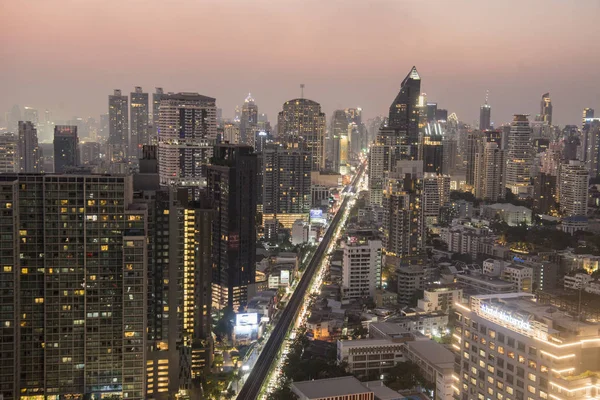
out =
column 232, row 190
column 66, row 151
column 404, row 111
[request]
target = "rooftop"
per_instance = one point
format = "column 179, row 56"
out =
column 330, row 387
column 383, row 392
column 433, row 352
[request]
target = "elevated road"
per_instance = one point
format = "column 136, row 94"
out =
column 256, row 379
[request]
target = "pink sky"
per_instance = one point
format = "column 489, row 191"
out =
column 68, row 55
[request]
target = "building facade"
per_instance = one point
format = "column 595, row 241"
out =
column 66, row 148
column 138, row 113
column 29, row 151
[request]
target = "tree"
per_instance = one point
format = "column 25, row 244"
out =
column 405, row 375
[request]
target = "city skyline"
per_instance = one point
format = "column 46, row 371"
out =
column 45, row 67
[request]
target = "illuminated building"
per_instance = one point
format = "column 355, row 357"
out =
column 156, row 99
column 248, row 121
column 286, row 184
column 519, row 157
column 118, row 127
column 29, row 152
column 587, row 114
column 485, row 116
column 489, row 173
column 544, row 193
column 436, row 193
column 179, row 283
column 138, row 114
column 74, row 269
column 546, row 109
column 9, row 156
column 231, row 133
column 66, row 148
column 508, row 346
column 344, row 388
column 404, row 112
column 186, row 129
column 301, row 121
column 232, row 190
column 432, row 152
column 475, row 142
column 403, row 217
column 361, row 266
column 573, row 188
column 590, row 145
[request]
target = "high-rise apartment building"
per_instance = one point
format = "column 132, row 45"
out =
column 231, row 133
column 180, row 257
column 436, row 194
column 232, row 190
column 138, row 115
column 74, row 268
column 118, row 127
column 66, row 148
column 29, row 152
column 546, row 109
column 489, row 173
column 519, row 157
column 248, row 121
column 187, row 129
column 9, row 153
column 301, row 121
column 402, row 203
column 573, row 190
column 544, row 193
column 590, row 145
column 509, row 346
column 156, row 99
column 404, row 112
column 361, row 266
column 286, row 184
column 449, row 155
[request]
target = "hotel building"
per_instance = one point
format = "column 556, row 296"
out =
column 510, row 347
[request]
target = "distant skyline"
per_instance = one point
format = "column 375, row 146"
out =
column 69, row 55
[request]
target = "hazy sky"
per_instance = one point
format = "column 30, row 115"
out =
column 68, row 55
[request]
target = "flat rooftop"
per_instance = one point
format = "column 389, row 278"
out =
column 433, row 352
column 330, row 387
column 383, row 392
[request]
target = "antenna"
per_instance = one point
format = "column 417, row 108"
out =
column 487, row 95
column 302, row 90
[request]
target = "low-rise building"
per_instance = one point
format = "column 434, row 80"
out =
column 439, row 298
column 509, row 213
column 435, row 362
column 368, row 356
column 344, row 388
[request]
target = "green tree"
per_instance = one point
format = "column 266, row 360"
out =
column 405, row 375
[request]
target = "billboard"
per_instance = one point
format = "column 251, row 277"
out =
column 246, row 319
column 316, row 214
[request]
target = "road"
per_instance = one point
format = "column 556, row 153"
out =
column 256, row 379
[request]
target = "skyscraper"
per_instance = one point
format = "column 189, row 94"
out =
column 485, row 116
column 403, row 225
column 232, row 191
column 66, row 148
column 286, row 182
column 587, row 113
column 139, row 122
column 9, row 155
column 156, row 99
column 519, row 157
column 29, row 152
column 590, row 145
column 339, row 128
column 489, row 173
column 74, row 319
column 432, row 153
column 301, row 121
column 118, row 127
column 248, row 121
column 404, row 112
column 546, row 109
column 187, row 128
column 361, row 265
column 573, row 191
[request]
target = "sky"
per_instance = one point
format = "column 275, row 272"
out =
column 68, row 55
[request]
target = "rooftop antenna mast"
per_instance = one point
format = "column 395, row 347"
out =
column 302, row 90
column 487, row 95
